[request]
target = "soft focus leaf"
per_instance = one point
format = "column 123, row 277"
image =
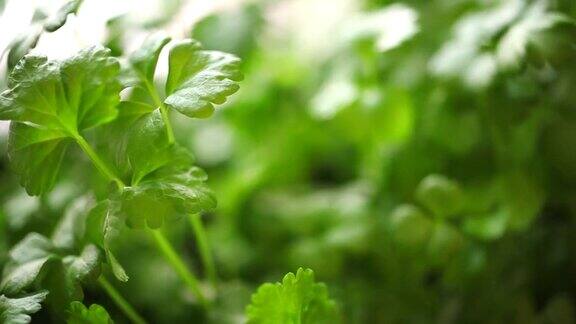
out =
column 18, row 310
column 22, row 45
column 104, row 224
column 512, row 48
column 35, row 260
column 440, row 195
column 58, row 20
column 26, row 261
column 410, row 227
column 96, row 314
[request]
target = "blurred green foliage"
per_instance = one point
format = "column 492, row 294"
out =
column 426, row 176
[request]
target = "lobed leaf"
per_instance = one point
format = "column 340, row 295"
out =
column 96, row 314
column 298, row 299
column 166, row 196
column 18, row 310
column 51, row 101
column 199, row 79
column 36, row 261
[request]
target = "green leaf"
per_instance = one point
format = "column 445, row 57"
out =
column 70, row 95
column 298, row 299
column 36, row 261
column 522, row 206
column 22, row 45
column 96, row 314
column 49, row 101
column 487, row 226
column 512, row 48
column 444, row 243
column 36, row 154
column 147, row 147
column 145, row 59
column 81, row 267
column 70, row 230
column 141, row 140
column 167, row 195
column 199, row 79
column 18, row 310
column 138, row 76
column 440, row 195
column 26, row 261
column 170, row 192
column 137, row 142
column 58, row 19
column 411, row 228
column 104, row 225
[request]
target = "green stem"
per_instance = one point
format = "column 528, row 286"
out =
column 174, row 259
column 122, row 303
column 98, row 162
column 204, row 247
column 166, row 118
column 163, row 110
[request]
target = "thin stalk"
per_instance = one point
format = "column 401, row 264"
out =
column 204, row 247
column 178, row 264
column 122, row 303
column 98, row 162
column 168, row 123
column 163, row 110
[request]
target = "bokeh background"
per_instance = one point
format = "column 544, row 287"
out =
column 419, row 156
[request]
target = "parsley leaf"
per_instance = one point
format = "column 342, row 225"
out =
column 58, row 19
column 145, row 59
column 103, row 226
column 199, row 79
column 36, row 154
column 298, row 299
column 139, row 75
column 166, row 195
column 26, row 261
column 442, row 196
column 18, row 310
column 51, row 101
column 512, row 48
column 96, row 314
column 35, row 260
column 141, row 143
column 24, row 43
